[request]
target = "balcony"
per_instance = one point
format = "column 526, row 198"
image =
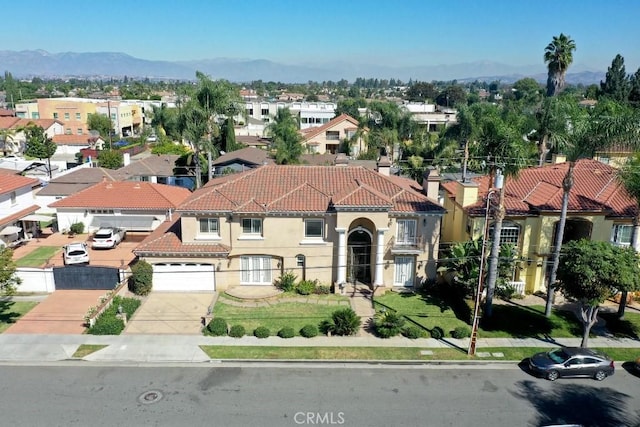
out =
column 407, row 246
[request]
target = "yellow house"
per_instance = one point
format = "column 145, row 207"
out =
column 327, row 138
column 599, row 209
column 333, row 224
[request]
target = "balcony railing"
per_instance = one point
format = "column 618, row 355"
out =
column 407, row 245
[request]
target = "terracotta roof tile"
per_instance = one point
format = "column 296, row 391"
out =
column 17, row 215
column 314, row 131
column 12, row 182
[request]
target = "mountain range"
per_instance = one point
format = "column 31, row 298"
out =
column 102, row 65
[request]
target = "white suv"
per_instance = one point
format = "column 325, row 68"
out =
column 75, row 253
column 108, row 237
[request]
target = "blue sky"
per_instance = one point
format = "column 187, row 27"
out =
column 401, row 32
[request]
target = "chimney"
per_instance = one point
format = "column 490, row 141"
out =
column 126, row 159
column 384, row 166
column 431, row 183
column 466, row 193
column 558, row 158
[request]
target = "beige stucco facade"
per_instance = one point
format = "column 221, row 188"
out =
column 328, row 139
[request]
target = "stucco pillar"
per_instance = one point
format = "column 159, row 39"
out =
column 636, row 240
column 342, row 255
column 379, row 280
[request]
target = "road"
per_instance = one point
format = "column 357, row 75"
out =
column 76, row 394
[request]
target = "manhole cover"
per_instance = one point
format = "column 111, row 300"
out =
column 149, row 397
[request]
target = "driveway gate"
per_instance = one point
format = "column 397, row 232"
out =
column 85, row 277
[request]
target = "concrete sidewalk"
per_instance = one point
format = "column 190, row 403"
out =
column 185, row 348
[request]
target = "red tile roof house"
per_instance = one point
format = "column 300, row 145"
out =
column 599, row 209
column 135, row 206
column 327, row 138
column 334, row 224
column 17, row 207
column 16, row 144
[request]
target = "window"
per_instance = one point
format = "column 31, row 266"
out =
column 250, row 111
column 67, row 131
column 35, row 115
column 55, row 116
column 621, row 234
column 251, row 226
column 66, row 116
column 333, row 135
column 314, row 228
column 78, row 116
column 510, row 233
column 264, row 111
column 79, row 131
column 406, row 232
column 255, row 270
column 209, row 225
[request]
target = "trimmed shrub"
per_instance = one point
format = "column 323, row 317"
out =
column 141, row 280
column 306, row 287
column 107, row 325
column 261, row 332
column 323, row 290
column 309, row 331
column 217, row 327
column 343, row 322
column 76, row 228
column 286, row 282
column 388, row 324
column 437, row 332
column 413, row 332
column 286, row 332
column 237, row 331
column 461, row 332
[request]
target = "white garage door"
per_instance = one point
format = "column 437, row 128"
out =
column 183, row 277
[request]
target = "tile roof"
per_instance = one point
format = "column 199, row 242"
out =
column 157, row 165
column 250, row 155
column 17, row 122
column 76, row 181
column 595, row 189
column 277, row 189
column 11, row 182
column 64, row 139
column 314, row 131
column 125, row 195
column 17, row 215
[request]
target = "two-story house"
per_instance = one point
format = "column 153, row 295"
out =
column 334, row 224
column 17, row 208
column 328, row 137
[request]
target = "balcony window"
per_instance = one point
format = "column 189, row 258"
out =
column 406, row 232
column 332, row 135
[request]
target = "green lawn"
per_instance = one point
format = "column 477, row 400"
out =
column 275, row 316
column 627, row 328
column 10, row 311
column 38, row 257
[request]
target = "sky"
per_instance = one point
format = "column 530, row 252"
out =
column 381, row 32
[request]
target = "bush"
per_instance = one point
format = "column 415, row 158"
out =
column 461, row 332
column 108, row 323
column 309, row 331
column 323, row 290
column 306, row 287
column 141, row 280
column 261, row 332
column 286, row 332
column 237, row 331
column 506, row 291
column 286, row 282
column 343, row 322
column 437, row 332
column 217, row 327
column 388, row 324
column 413, row 332
column 76, row 228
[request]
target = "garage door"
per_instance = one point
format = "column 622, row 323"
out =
column 184, row 277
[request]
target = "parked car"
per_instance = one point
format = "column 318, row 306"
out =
column 571, row 362
column 108, row 237
column 75, row 253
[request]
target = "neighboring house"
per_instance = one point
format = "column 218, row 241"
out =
column 431, row 116
column 331, row 224
column 309, row 114
column 615, row 156
column 240, row 160
column 157, row 169
column 599, row 209
column 72, row 144
column 135, row 206
column 328, row 137
column 12, row 136
column 17, row 209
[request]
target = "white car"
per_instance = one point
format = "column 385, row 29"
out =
column 108, row 237
column 75, row 253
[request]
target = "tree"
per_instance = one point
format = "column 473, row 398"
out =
column 452, row 96
column 350, row 107
column 558, row 55
column 590, row 272
column 8, row 142
column 39, row 145
column 634, row 89
column 551, row 118
column 8, row 279
column 422, row 92
column 286, row 137
column 616, row 85
column 110, row 159
column 101, row 123
column 527, row 91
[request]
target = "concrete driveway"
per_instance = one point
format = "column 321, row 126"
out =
column 171, row 313
column 62, row 312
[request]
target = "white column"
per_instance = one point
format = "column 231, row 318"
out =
column 378, row 281
column 342, row 255
column 636, row 240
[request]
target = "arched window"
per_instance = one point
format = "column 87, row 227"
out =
column 510, row 233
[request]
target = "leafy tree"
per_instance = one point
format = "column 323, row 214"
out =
column 453, row 96
column 422, row 92
column 168, row 147
column 101, row 123
column 527, row 91
column 590, row 272
column 350, row 106
column 284, row 131
column 39, row 145
column 110, row 159
column 616, row 85
column 634, row 89
column 8, row 279
column 551, row 118
column 461, row 266
column 558, row 55
column 228, row 136
column 165, row 121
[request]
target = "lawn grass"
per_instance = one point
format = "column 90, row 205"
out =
column 86, row 349
column 11, row 311
column 627, row 328
column 38, row 256
column 275, row 316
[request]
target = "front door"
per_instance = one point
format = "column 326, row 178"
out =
column 405, row 271
column 359, row 257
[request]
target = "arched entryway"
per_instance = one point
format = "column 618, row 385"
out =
column 359, row 244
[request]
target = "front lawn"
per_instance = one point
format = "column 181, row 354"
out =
column 11, row 311
column 627, row 328
column 38, row 256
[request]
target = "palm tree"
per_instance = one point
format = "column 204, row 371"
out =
column 558, row 55
column 287, row 140
column 551, row 121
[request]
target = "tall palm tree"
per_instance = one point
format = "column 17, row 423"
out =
column 558, row 55
column 287, row 140
column 551, row 122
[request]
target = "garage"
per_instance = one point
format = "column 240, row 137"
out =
column 184, row 277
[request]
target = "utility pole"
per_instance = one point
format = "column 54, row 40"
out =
column 466, row 160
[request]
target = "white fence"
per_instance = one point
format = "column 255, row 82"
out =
column 519, row 286
column 36, row 279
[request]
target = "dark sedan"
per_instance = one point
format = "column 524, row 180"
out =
column 571, row 362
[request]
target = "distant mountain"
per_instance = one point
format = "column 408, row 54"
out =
column 39, row 63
